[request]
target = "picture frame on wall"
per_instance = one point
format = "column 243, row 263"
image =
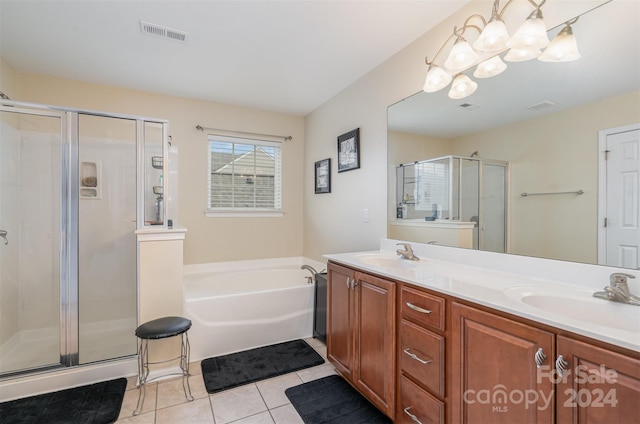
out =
column 323, row 176
column 349, row 151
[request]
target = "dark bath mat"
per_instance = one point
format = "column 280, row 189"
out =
column 97, row 403
column 331, row 400
column 233, row 370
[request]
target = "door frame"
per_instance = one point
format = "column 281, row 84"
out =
column 602, row 186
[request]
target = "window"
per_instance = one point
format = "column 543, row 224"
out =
column 244, row 175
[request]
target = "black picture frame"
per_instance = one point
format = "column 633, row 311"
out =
column 349, row 151
column 322, row 176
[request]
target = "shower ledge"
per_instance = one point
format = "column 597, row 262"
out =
column 177, row 232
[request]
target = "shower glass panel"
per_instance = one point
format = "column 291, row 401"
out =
column 455, row 188
column 494, row 189
column 31, row 183
column 154, row 174
column 106, row 237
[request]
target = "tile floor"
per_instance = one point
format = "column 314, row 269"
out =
column 263, row 402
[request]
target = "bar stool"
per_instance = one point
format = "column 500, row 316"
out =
column 162, row 328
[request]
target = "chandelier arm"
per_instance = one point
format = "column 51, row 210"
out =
column 504, row 8
column 476, row 15
column 538, row 6
column 440, row 49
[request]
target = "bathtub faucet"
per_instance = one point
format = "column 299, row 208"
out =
column 312, row 271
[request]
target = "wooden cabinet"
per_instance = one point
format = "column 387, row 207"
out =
column 421, row 356
column 341, row 319
column 361, row 333
column 494, row 375
column 456, row 363
column 598, row 386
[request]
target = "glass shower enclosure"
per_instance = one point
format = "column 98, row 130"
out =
column 455, row 188
column 74, row 188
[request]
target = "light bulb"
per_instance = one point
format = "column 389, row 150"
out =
column 490, row 68
column 518, row 55
column 563, row 48
column 462, row 87
column 493, row 38
column 461, row 56
column 436, row 79
column 531, row 35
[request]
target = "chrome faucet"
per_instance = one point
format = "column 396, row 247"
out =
column 618, row 290
column 407, row 253
column 312, row 271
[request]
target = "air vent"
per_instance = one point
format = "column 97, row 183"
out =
column 468, row 106
column 542, row 105
column 163, row 32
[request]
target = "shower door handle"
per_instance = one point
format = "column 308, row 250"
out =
column 3, row 234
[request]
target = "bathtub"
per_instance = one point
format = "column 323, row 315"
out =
column 240, row 305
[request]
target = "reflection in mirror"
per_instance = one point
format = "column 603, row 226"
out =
column 565, row 130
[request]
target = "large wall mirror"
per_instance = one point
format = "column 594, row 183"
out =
column 552, row 123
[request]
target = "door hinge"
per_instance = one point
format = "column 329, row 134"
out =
column 606, row 154
column 605, row 223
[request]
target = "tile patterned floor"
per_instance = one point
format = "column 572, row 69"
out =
column 263, row 402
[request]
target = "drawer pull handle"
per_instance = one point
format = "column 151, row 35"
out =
column 414, row 356
column 418, row 309
column 413, row 417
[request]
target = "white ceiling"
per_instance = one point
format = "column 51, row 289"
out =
column 286, row 56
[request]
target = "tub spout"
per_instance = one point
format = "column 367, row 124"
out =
column 312, row 271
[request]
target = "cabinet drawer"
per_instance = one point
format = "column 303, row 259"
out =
column 422, row 356
column 423, row 307
column 416, row 405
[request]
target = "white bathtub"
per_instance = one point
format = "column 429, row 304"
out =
column 241, row 305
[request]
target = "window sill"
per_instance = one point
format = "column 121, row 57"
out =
column 234, row 213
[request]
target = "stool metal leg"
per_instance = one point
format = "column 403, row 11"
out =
column 143, row 373
column 184, row 365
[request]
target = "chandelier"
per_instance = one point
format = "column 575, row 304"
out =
column 530, row 41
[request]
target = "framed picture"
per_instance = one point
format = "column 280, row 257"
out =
column 349, row 151
column 323, row 176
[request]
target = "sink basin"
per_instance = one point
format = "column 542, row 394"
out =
column 384, row 260
column 579, row 304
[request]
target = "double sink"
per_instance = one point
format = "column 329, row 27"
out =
column 552, row 301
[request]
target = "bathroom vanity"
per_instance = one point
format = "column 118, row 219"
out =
column 440, row 341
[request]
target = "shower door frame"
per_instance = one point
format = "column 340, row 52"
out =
column 69, row 217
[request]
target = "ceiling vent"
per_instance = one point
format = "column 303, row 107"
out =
column 468, row 106
column 164, row 32
column 542, row 105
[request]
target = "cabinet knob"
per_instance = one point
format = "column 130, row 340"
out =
column 418, row 309
column 540, row 357
column 416, row 357
column 413, row 417
column 561, row 365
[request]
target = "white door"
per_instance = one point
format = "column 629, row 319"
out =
column 621, row 198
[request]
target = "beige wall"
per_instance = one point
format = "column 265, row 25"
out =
column 208, row 239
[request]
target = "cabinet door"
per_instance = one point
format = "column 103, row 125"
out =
column 375, row 346
column 598, row 386
column 494, row 377
column 340, row 319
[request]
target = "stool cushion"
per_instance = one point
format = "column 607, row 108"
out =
column 163, row 327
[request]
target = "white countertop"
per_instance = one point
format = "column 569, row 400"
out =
column 560, row 304
column 438, row 223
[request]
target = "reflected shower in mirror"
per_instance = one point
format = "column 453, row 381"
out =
column 553, row 124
